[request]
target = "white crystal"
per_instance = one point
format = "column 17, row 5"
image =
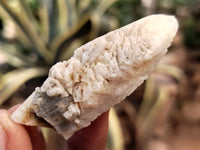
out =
column 99, row 75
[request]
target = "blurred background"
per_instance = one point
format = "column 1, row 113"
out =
column 162, row 114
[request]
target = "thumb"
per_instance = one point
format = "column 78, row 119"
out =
column 12, row 135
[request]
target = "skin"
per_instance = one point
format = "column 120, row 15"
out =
column 20, row 137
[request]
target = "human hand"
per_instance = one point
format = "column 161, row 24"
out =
column 14, row 136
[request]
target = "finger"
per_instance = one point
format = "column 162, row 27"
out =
column 17, row 137
column 93, row 137
column 37, row 138
column 35, row 134
column 3, row 138
column 12, row 109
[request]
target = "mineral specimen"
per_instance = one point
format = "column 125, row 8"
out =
column 100, row 74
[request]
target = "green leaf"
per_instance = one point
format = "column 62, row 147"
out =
column 172, row 71
column 11, row 81
column 148, row 100
column 104, row 5
column 27, row 9
column 50, row 7
column 22, row 20
column 151, row 119
column 70, row 50
column 115, row 140
column 59, row 40
column 97, row 16
column 43, row 17
column 83, row 6
column 62, row 15
column 108, row 23
column 18, row 37
column 72, row 13
column 13, row 56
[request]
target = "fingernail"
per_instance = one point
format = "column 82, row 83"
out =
column 3, row 139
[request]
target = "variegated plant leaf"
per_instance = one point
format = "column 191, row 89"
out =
column 11, row 81
column 25, row 25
